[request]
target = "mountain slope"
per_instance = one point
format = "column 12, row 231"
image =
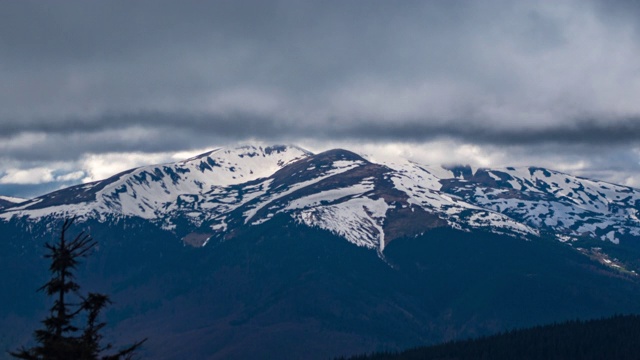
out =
column 551, row 201
column 150, row 191
column 8, row 201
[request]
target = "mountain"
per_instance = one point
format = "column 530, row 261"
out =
column 243, row 252
column 367, row 203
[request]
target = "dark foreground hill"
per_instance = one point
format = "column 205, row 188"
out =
column 283, row 290
column 611, row 338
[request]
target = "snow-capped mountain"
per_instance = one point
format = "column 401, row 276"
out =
column 368, row 204
column 149, row 192
column 212, row 195
column 272, row 263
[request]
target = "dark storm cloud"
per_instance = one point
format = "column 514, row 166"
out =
column 79, row 57
column 80, row 77
column 581, row 132
column 80, row 60
column 124, row 133
column 195, row 45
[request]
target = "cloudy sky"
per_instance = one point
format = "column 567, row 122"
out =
column 88, row 88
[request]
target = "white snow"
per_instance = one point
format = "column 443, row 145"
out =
column 329, row 195
column 357, row 220
column 337, row 168
column 494, row 176
column 15, row 200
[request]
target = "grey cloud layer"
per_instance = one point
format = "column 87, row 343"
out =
column 103, row 76
column 78, row 58
column 173, row 132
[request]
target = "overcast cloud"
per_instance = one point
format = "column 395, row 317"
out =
column 84, row 83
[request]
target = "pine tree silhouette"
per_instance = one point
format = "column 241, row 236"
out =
column 61, row 339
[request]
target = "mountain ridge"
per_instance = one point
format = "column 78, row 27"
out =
column 211, row 195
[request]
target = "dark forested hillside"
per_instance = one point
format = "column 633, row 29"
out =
column 611, row 338
column 283, row 290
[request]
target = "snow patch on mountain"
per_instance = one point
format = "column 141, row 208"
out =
column 337, row 167
column 11, row 199
column 358, row 220
column 329, row 196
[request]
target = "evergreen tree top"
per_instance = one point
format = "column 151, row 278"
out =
column 62, row 338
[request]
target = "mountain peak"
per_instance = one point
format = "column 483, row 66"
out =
column 242, row 151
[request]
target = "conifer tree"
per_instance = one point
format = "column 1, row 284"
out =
column 61, row 338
